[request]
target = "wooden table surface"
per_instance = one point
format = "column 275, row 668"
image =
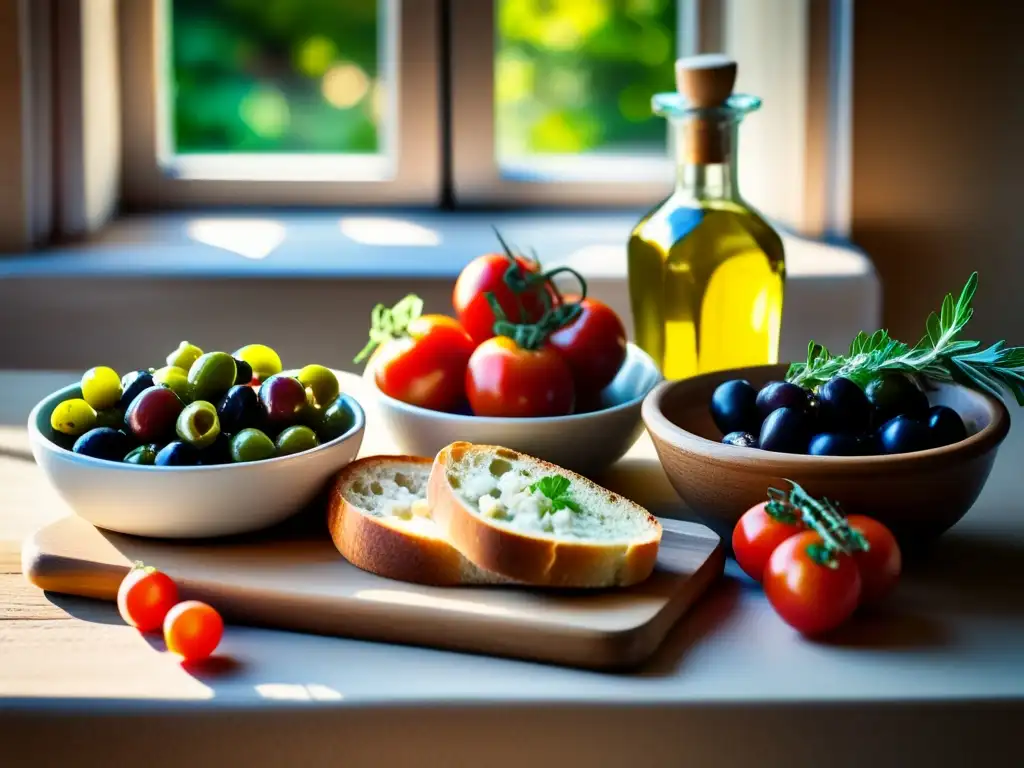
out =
column 939, row 670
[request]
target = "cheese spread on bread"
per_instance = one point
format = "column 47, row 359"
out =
column 529, row 510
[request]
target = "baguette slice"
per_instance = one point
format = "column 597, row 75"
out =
column 610, row 541
column 389, row 532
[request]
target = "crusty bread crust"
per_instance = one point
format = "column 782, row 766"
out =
column 528, row 558
column 372, row 544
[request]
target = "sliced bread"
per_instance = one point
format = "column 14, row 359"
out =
column 537, row 523
column 379, row 520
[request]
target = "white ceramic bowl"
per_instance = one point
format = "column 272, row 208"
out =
column 586, row 442
column 187, row 502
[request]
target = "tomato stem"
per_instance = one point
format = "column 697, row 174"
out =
column 520, row 281
column 823, row 517
column 387, row 323
column 532, row 335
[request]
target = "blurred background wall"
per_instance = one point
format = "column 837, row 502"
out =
column 938, row 157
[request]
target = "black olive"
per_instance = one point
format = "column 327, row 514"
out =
column 243, row 372
column 741, row 439
column 786, row 430
column 177, row 454
column 835, row 444
column 733, row 407
column 103, row 443
column 843, row 407
column 781, row 394
column 895, row 395
column 946, row 426
column 218, row 452
column 903, row 434
column 131, row 385
column 240, row 409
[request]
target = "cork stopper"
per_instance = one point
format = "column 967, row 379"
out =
column 706, row 81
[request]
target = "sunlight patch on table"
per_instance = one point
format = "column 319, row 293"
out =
column 251, row 238
column 298, row 692
column 380, row 230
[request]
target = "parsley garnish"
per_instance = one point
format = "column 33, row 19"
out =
column 939, row 355
column 555, row 487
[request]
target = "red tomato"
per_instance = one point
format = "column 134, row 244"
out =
column 594, row 345
column 810, row 597
column 880, row 565
column 756, row 536
column 487, row 274
column 145, row 596
column 503, row 379
column 427, row 366
column 193, row 630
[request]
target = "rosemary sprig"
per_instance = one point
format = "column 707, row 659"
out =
column 939, row 355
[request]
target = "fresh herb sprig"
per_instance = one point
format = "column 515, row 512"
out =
column 556, row 488
column 821, row 516
column 939, row 355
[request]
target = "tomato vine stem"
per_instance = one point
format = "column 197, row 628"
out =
column 387, row 323
column 821, row 516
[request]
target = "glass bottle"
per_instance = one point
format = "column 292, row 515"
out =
column 706, row 271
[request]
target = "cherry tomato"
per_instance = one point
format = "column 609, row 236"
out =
column 503, row 379
column 427, row 365
column 487, row 274
column 145, row 596
column 594, row 345
column 880, row 565
column 193, row 630
column 810, row 597
column 756, row 536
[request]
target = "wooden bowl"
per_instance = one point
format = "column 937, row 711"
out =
column 918, row 495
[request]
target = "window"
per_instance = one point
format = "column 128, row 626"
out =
column 418, row 102
column 315, row 102
column 279, row 90
column 551, row 99
column 573, row 81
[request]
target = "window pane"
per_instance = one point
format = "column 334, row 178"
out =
column 276, row 76
column 576, row 76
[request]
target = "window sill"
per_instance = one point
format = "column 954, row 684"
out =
column 308, row 280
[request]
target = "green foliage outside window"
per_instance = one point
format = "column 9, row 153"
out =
column 304, row 75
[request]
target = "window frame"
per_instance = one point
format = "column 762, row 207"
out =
column 415, row 97
column 476, row 177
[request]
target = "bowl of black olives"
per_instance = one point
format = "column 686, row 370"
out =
column 907, row 451
column 211, row 444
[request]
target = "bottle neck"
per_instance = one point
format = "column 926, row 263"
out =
column 706, row 159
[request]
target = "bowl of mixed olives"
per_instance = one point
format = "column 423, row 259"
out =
column 209, row 444
column 912, row 454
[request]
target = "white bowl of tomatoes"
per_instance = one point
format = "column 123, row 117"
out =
column 519, row 365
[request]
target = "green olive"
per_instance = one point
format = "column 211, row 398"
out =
column 321, row 382
column 264, row 361
column 336, row 420
column 251, row 445
column 73, row 417
column 111, row 417
column 176, row 380
column 198, row 424
column 101, row 387
column 184, row 356
column 296, row 440
column 211, row 375
column 311, row 416
column 143, row 454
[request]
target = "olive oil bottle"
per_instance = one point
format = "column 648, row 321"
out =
column 706, row 271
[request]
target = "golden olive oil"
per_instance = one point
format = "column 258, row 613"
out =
column 706, row 271
column 706, row 287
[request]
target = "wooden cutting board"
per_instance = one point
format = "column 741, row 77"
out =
column 293, row 578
